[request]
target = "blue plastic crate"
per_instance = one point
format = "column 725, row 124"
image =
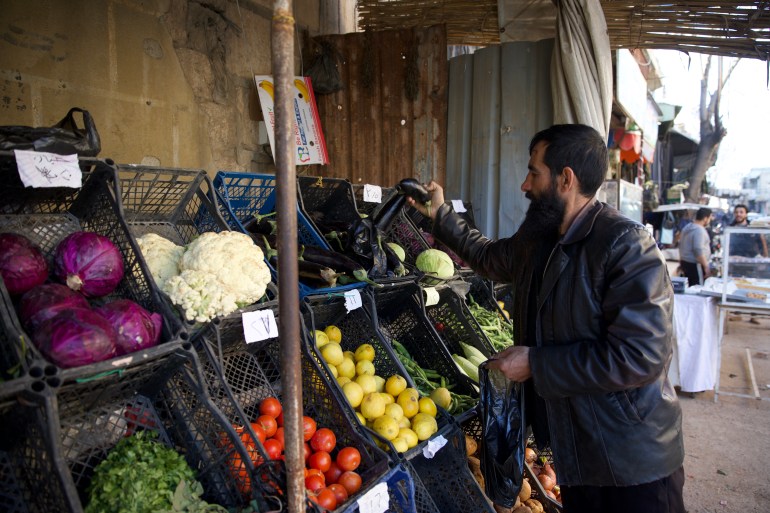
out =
column 241, row 195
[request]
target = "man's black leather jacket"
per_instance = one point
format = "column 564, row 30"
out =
column 604, row 343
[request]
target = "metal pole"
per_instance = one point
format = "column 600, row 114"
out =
column 288, row 288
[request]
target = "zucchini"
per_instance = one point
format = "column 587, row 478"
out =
column 472, row 354
column 470, row 370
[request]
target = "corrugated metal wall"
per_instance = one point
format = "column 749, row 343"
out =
column 499, row 97
column 373, row 132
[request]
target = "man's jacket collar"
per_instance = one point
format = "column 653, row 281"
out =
column 583, row 223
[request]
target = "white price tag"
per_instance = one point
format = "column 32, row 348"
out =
column 352, row 300
column 259, row 325
column 375, row 500
column 431, row 296
column 433, row 446
column 459, row 206
column 372, row 193
column 40, row 169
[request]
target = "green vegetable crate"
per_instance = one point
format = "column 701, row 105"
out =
column 250, row 373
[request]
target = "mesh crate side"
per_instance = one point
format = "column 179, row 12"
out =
column 457, row 324
column 17, row 354
column 367, row 207
column 330, row 198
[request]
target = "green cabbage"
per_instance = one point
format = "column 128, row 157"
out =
column 436, row 262
column 398, row 250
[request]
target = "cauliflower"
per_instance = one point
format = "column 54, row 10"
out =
column 200, row 295
column 162, row 256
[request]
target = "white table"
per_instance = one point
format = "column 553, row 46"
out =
column 696, row 353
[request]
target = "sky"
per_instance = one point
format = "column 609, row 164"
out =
column 745, row 110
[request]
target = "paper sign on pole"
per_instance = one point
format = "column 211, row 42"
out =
column 308, row 136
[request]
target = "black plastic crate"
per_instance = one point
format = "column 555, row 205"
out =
column 448, row 479
column 483, row 292
column 369, row 208
column 33, row 474
column 47, row 219
column 171, row 403
column 251, row 372
column 400, row 316
column 329, row 200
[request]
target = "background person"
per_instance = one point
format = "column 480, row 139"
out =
column 695, row 248
column 593, row 329
column 748, row 245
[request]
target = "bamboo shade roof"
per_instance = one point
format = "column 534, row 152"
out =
column 729, row 28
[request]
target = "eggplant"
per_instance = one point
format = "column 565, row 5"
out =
column 394, row 263
column 414, row 189
column 339, row 262
column 312, row 273
column 388, row 213
column 261, row 225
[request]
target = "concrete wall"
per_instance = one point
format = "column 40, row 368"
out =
column 167, row 81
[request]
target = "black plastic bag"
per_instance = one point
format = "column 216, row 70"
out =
column 64, row 138
column 323, row 71
column 503, row 436
column 365, row 242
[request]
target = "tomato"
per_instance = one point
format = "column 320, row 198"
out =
column 439, row 326
column 351, row 481
column 268, row 423
column 324, row 498
column 314, row 482
column 279, row 435
column 270, row 406
column 333, row 474
column 349, row 458
column 259, row 432
column 320, row 460
column 308, row 451
column 308, row 427
column 316, row 472
column 273, row 448
column 240, row 474
column 279, row 419
column 339, row 492
column 324, row 440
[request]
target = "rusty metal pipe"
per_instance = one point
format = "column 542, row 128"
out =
column 288, row 287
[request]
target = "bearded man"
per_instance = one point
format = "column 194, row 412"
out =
column 593, row 329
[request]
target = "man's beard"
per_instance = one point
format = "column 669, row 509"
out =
column 544, row 216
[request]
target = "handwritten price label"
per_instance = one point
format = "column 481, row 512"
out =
column 375, row 500
column 372, row 193
column 259, row 325
column 459, row 206
column 352, row 300
column 41, row 169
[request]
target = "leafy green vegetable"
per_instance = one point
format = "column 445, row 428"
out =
column 187, row 499
column 139, row 475
column 436, row 262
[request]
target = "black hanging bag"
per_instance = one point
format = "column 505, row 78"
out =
column 64, row 138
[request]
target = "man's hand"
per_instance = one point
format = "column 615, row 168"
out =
column 436, row 200
column 513, row 363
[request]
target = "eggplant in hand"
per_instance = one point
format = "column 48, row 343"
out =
column 414, row 189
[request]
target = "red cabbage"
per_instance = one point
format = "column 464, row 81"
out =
column 88, row 263
column 76, row 337
column 46, row 301
column 22, row 264
column 136, row 327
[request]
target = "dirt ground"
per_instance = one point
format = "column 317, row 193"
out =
column 727, row 443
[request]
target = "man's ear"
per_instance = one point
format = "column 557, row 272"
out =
column 567, row 180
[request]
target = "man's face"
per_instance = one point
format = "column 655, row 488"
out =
column 740, row 214
column 546, row 208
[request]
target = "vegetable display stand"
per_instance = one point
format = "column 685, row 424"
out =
column 170, row 402
column 251, row 373
column 47, row 219
column 483, row 292
column 368, row 208
column 447, row 477
column 33, row 474
column 399, row 314
column 178, row 204
column 244, row 195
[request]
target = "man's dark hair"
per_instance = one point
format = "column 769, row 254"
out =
column 702, row 213
column 577, row 146
column 741, row 205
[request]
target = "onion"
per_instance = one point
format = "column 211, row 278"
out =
column 88, row 263
column 46, row 301
column 547, row 481
column 22, row 264
column 530, row 455
column 76, row 337
column 136, row 327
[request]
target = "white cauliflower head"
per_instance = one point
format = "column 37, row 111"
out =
column 200, row 295
column 162, row 256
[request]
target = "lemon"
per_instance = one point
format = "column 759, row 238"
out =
column 394, row 410
column 351, row 355
column 353, row 393
column 389, row 399
column 441, row 397
column 386, row 426
column 424, row 425
column 365, row 352
column 404, row 422
column 410, row 437
column 372, row 406
column 395, row 385
column 320, row 339
column 341, row 380
column 331, row 352
column 361, row 418
column 365, row 367
column 427, row 406
column 409, row 401
column 400, row 444
column 333, row 333
column 333, row 370
column 347, row 368
column 380, row 383
column 367, row 382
